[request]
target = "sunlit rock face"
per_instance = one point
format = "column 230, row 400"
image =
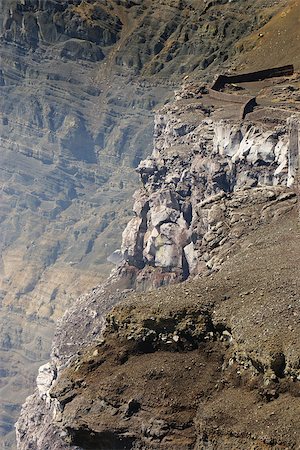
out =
column 209, row 192
column 67, row 158
column 200, row 175
column 78, row 83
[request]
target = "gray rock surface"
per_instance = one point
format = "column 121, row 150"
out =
column 67, row 174
column 195, row 206
column 197, row 180
column 78, row 81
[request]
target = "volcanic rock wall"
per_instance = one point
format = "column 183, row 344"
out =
column 197, row 179
column 78, row 80
column 207, row 185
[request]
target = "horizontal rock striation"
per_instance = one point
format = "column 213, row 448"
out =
column 212, row 189
column 78, row 81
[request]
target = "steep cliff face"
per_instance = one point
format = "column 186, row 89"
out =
column 78, row 81
column 217, row 201
column 210, row 363
column 204, row 163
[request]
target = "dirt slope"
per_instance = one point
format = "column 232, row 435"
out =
column 212, row 363
column 277, row 43
column 75, row 120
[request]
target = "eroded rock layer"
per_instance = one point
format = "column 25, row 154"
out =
column 78, row 81
column 190, row 211
column 210, row 362
column 217, row 207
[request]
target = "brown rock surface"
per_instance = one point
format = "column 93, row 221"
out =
column 78, row 81
column 219, row 179
column 276, row 43
column 208, row 363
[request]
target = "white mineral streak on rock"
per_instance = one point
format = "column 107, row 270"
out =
column 164, row 207
column 192, row 166
column 227, row 138
column 169, row 245
column 252, row 145
column 46, row 376
column 130, row 237
column 116, row 257
column 150, row 248
column 191, row 256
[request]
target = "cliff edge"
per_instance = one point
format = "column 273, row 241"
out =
column 212, row 362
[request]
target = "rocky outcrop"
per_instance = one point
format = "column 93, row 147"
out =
column 78, row 81
column 38, row 431
column 208, row 189
column 197, row 181
column 212, row 362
